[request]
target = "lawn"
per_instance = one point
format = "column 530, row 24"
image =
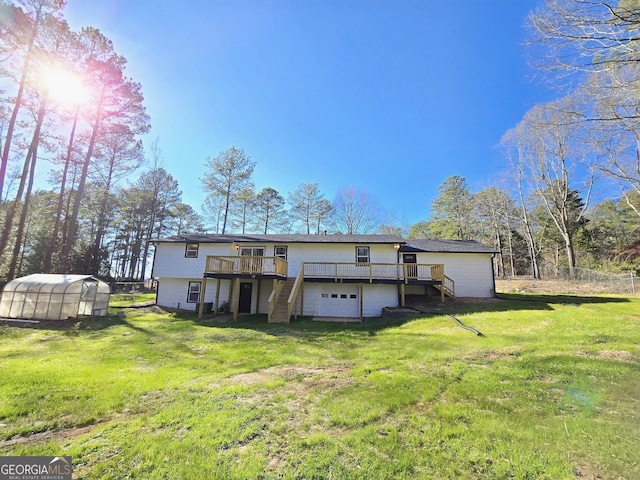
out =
column 552, row 390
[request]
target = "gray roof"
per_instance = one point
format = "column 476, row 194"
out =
column 446, row 246
column 279, row 238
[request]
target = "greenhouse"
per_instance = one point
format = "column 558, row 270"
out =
column 54, row 297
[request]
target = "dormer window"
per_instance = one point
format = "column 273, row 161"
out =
column 191, row 250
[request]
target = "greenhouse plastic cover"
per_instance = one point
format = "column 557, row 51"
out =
column 54, row 297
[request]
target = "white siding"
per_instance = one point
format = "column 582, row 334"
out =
column 375, row 297
column 170, row 261
column 333, row 252
column 172, row 293
column 472, row 272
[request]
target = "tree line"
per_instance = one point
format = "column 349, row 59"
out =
column 97, row 218
column 65, row 98
column 528, row 234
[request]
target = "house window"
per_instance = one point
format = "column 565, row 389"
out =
column 252, row 252
column 193, row 295
column 362, row 254
column 192, row 250
column 280, row 251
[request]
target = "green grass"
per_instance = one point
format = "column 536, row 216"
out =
column 127, row 299
column 551, row 391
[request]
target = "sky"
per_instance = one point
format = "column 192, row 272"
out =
column 389, row 97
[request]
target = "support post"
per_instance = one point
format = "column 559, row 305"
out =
column 258, row 297
column 302, row 297
column 202, row 296
column 361, row 301
column 217, row 302
column 236, row 297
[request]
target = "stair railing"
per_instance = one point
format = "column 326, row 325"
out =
column 291, row 301
column 273, row 298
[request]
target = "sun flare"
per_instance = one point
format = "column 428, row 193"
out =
column 65, row 87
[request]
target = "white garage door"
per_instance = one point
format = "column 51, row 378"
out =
column 339, row 302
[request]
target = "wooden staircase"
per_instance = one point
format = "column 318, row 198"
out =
column 448, row 286
column 281, row 309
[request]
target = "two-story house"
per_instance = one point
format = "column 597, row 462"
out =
column 352, row 276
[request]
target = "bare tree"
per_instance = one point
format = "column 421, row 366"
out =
column 516, row 152
column 494, row 208
column 587, row 35
column 551, row 155
column 355, row 212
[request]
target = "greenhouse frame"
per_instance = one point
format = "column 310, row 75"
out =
column 54, row 297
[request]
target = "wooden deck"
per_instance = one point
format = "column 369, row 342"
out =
column 374, row 272
column 281, row 303
column 276, row 267
column 246, row 266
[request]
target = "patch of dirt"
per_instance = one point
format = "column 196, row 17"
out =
column 68, row 324
column 616, row 355
column 590, row 472
column 297, row 378
column 152, row 309
column 50, row 435
column 508, row 353
column 144, row 307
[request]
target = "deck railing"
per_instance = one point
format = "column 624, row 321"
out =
column 368, row 272
column 374, row 271
column 246, row 265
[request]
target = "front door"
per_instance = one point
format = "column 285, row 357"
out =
column 412, row 270
column 244, row 303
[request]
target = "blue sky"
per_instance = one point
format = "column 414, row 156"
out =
column 388, row 96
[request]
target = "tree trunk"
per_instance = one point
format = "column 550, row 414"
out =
column 70, row 240
column 535, row 270
column 53, row 243
column 18, row 101
column 102, row 222
column 29, row 160
column 25, row 211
